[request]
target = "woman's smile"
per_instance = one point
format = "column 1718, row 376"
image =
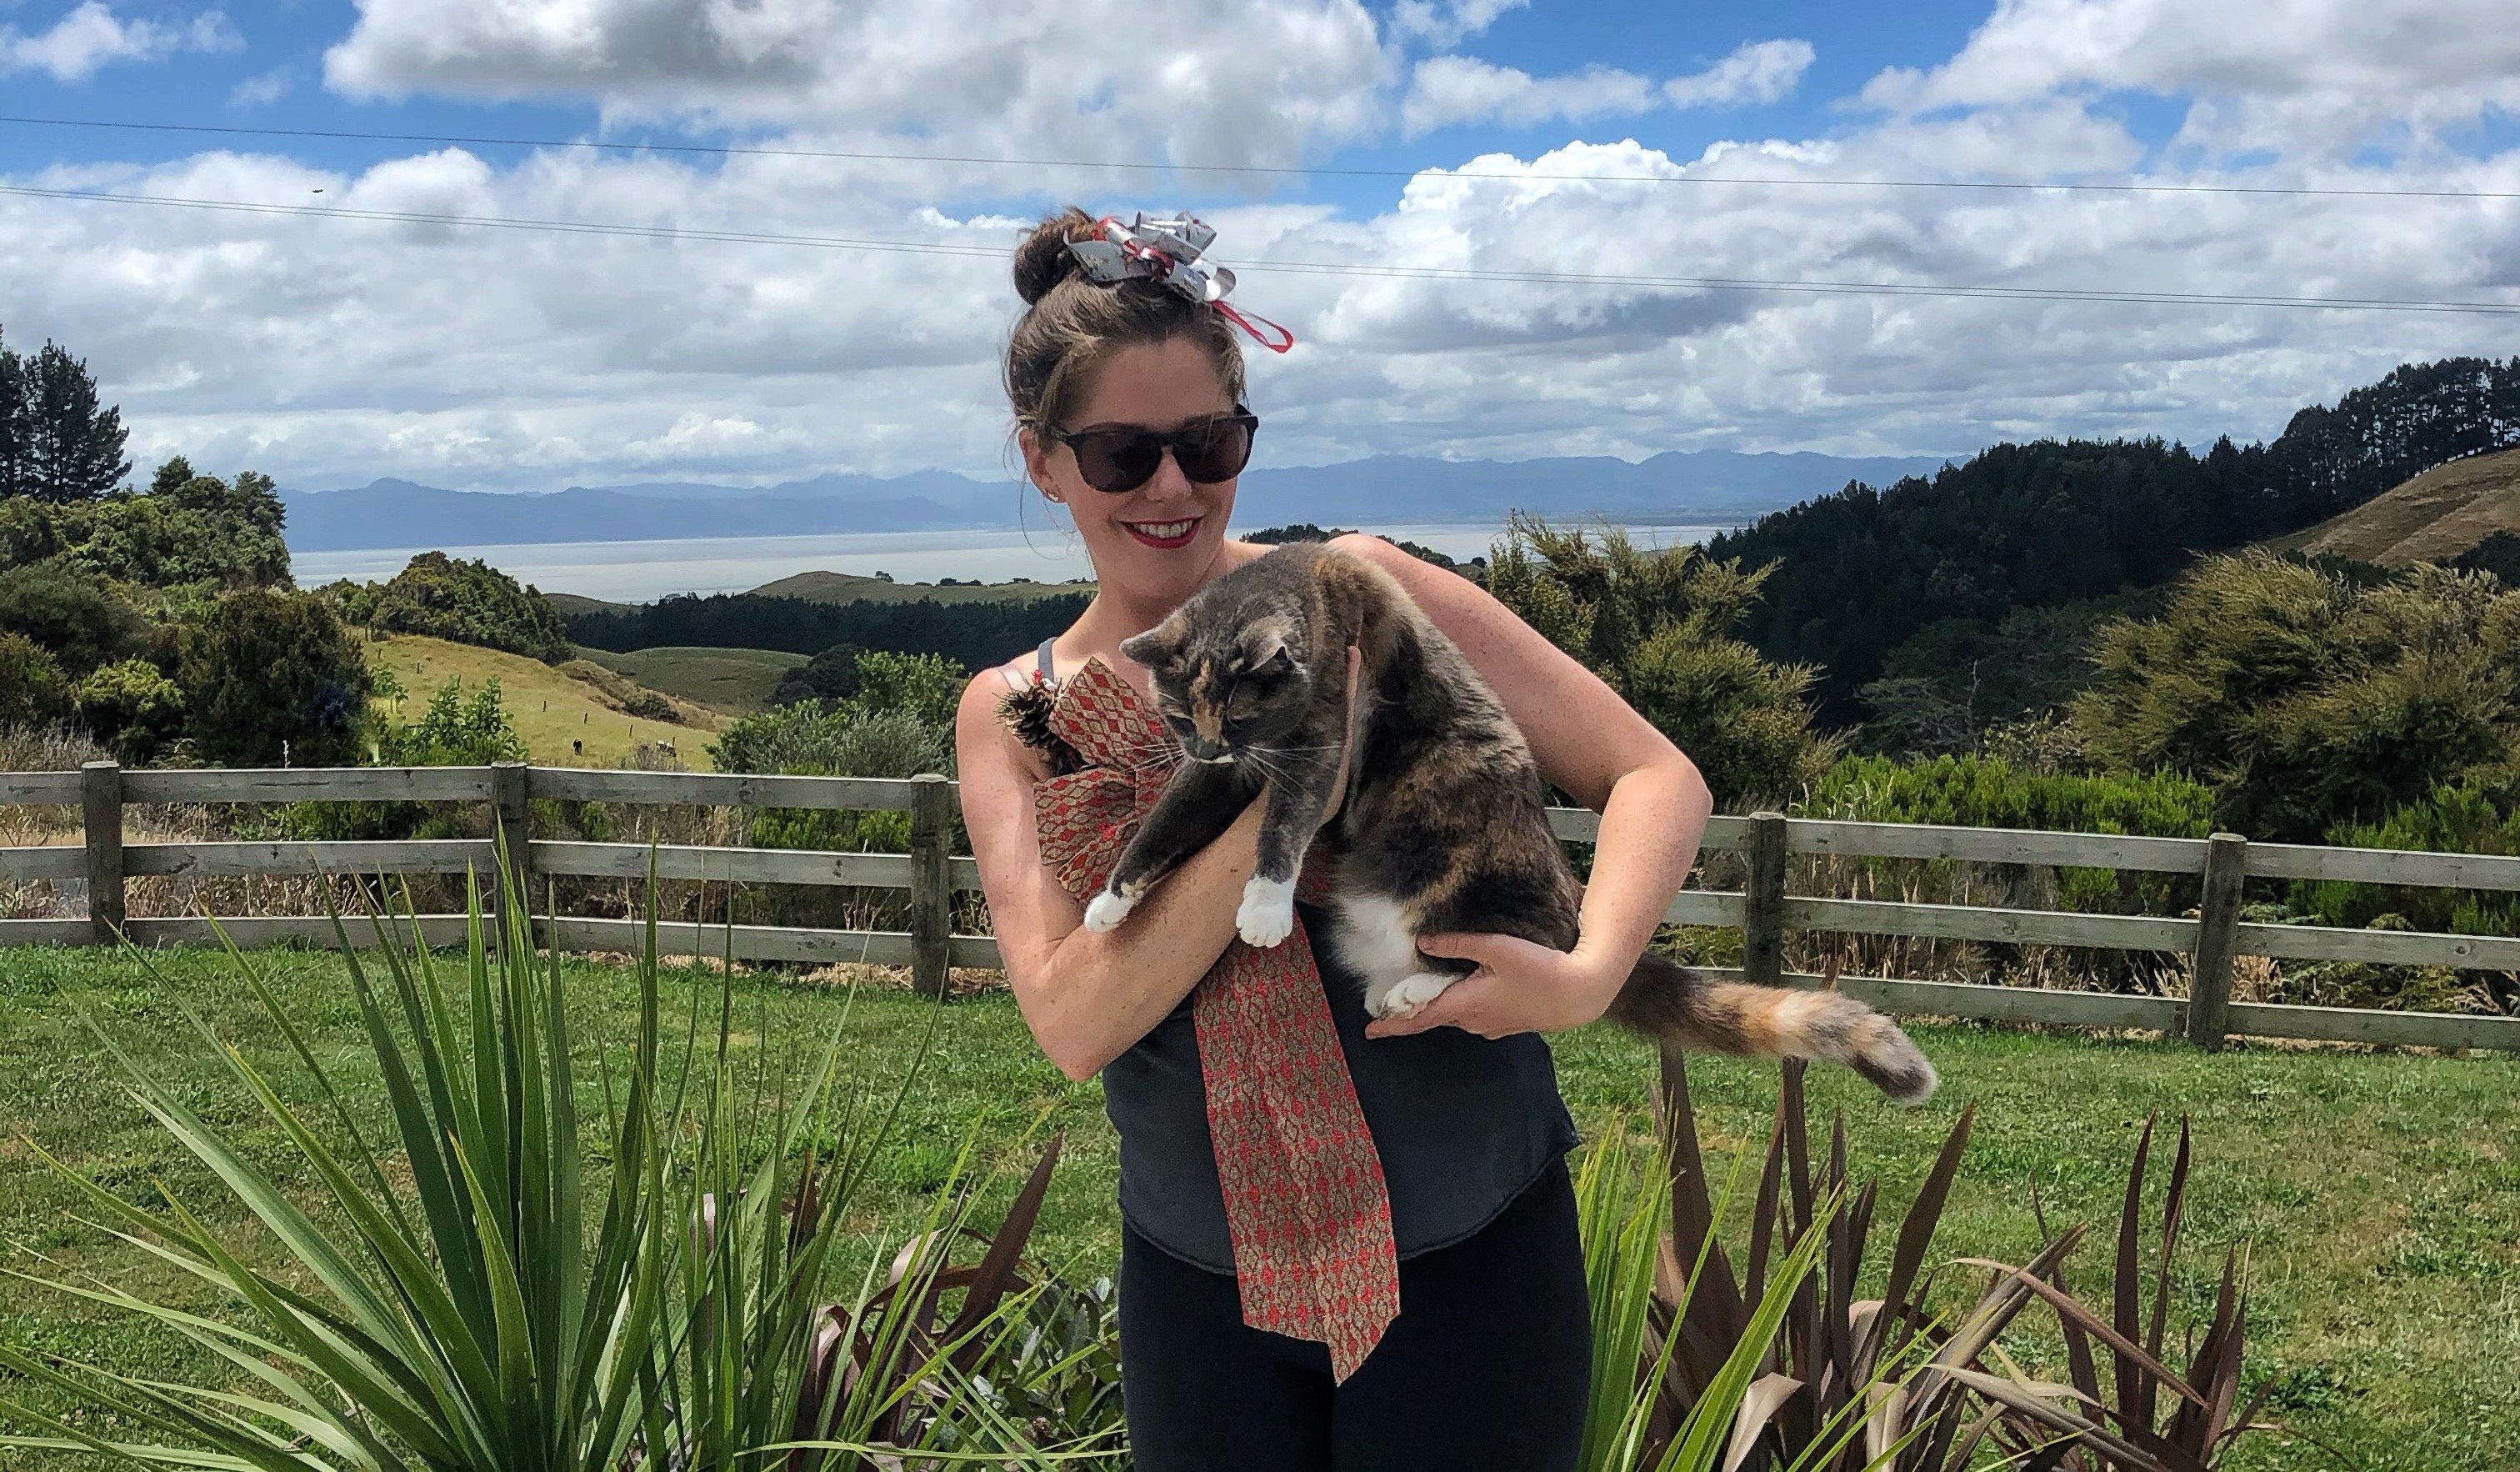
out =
column 1165, row 535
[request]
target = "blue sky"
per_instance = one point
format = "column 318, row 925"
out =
column 328, row 351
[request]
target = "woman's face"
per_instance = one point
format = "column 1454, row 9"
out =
column 1159, row 541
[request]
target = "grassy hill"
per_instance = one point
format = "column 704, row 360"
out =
column 2433, row 517
column 551, row 709
column 736, row 680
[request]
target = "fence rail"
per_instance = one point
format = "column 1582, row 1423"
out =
column 932, row 875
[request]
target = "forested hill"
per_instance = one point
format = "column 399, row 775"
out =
column 2054, row 522
column 977, row 634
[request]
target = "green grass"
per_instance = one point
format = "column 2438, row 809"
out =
column 550, row 709
column 2379, row 1194
column 737, row 681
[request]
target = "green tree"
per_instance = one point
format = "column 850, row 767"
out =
column 13, row 423
column 469, row 603
column 273, row 677
column 925, row 686
column 1657, row 625
column 2306, row 699
column 33, row 690
column 831, row 674
column 455, row 730
column 73, row 444
column 83, row 623
column 133, row 708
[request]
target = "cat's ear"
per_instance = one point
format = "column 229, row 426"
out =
column 1158, row 645
column 1268, row 647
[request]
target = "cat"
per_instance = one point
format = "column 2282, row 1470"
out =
column 1444, row 823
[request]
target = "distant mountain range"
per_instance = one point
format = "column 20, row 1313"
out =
column 1675, row 486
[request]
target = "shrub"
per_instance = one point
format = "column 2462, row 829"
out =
column 78, row 620
column 274, row 678
column 133, row 708
column 33, row 690
column 831, row 674
column 2480, row 814
column 2307, row 701
column 469, row 603
column 1658, row 627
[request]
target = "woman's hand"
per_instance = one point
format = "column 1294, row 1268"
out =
column 1519, row 988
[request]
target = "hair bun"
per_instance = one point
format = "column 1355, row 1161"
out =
column 1044, row 260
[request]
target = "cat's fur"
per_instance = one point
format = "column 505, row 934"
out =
column 1444, row 824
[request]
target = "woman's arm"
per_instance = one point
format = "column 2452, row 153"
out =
column 1087, row 998
column 1594, row 746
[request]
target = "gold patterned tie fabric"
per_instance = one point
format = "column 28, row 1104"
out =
column 1304, row 1194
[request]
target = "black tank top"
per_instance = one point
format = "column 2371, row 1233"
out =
column 1463, row 1123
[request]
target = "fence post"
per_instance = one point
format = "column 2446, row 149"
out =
column 1763, row 901
column 512, row 814
column 101, row 811
column 2218, row 932
column 931, row 884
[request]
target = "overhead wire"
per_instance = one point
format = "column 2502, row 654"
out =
column 671, row 233
column 881, row 155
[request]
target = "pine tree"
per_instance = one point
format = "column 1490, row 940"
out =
column 73, row 446
column 13, row 423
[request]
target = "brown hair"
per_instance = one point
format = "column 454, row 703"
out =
column 1071, row 322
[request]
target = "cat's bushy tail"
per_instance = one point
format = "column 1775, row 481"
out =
column 1670, row 1003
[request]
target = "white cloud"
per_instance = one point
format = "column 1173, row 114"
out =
column 92, row 36
column 1259, row 81
column 1451, row 89
column 332, row 352
column 262, row 89
column 1760, row 72
column 2280, row 74
column 1446, row 90
column 1451, row 22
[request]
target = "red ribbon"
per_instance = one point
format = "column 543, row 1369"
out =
column 1305, row 1200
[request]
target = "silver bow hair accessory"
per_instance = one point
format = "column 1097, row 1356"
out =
column 1167, row 251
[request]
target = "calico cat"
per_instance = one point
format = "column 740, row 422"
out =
column 1443, row 827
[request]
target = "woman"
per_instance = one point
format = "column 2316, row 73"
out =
column 1486, row 1365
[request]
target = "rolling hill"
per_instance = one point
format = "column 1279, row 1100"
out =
column 737, row 681
column 550, row 709
column 849, row 587
column 2433, row 517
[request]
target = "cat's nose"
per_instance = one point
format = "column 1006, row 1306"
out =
column 1201, row 749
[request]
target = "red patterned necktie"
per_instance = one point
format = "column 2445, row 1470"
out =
column 1304, row 1194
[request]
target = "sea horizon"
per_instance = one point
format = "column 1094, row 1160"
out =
column 643, row 571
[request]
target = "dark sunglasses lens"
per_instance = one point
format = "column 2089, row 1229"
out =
column 1119, row 460
column 1219, row 454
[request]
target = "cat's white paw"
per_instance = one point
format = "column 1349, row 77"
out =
column 1268, row 913
column 1108, row 910
column 1409, row 995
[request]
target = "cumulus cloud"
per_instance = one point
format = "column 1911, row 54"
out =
column 92, row 36
column 1451, row 89
column 1446, row 90
column 2283, row 75
column 1239, row 81
column 1447, row 23
column 327, row 351
column 1761, row 71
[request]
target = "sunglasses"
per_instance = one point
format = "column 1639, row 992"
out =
column 1126, row 457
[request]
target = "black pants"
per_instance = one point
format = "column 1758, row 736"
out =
column 1488, row 1366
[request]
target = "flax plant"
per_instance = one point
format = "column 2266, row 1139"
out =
column 523, row 1303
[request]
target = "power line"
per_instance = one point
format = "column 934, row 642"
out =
column 1308, row 267
column 872, row 156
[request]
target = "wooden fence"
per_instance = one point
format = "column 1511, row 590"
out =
column 1762, row 909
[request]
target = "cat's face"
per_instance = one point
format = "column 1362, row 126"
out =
column 1227, row 694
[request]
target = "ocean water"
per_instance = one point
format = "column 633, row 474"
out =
column 639, row 571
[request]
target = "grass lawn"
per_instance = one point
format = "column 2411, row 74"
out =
column 550, row 709
column 737, row 681
column 2379, row 1195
